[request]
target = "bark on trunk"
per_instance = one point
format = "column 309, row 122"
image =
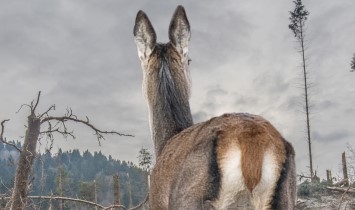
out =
column 130, row 204
column 60, row 189
column 306, row 101
column 329, row 177
column 345, row 169
column 28, row 153
column 116, row 190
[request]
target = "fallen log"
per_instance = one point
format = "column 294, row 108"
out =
column 84, row 201
column 341, row 189
column 340, row 183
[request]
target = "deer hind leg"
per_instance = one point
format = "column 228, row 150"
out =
column 263, row 193
column 193, row 189
column 285, row 193
column 277, row 188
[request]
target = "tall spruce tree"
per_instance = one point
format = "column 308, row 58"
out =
column 298, row 20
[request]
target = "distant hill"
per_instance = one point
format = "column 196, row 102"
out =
column 77, row 173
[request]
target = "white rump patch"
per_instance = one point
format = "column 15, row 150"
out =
column 234, row 193
column 263, row 192
column 232, row 179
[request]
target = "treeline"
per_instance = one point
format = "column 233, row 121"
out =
column 72, row 174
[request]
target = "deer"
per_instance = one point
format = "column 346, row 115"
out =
column 233, row 161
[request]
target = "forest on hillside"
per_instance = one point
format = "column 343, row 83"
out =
column 79, row 173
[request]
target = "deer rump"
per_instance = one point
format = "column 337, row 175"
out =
column 235, row 161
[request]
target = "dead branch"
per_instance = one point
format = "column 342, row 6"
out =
column 62, row 198
column 52, row 107
column 22, row 107
column 342, row 197
column 340, row 189
column 301, row 176
column 115, row 206
column 84, row 201
column 141, row 204
column 70, row 117
column 2, row 128
column 57, row 130
column 3, row 140
column 33, row 108
column 2, row 184
column 133, row 208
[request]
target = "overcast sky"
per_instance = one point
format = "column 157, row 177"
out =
column 81, row 54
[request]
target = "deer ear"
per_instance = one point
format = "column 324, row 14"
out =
column 179, row 30
column 144, row 35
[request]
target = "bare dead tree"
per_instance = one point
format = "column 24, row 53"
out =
column 55, row 124
column 116, row 190
column 298, row 20
column 25, row 162
column 345, row 169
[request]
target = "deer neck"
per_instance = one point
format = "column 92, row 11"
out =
column 168, row 98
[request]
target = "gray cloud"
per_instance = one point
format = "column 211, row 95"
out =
column 326, row 104
column 200, row 116
column 245, row 100
column 213, row 99
column 338, row 135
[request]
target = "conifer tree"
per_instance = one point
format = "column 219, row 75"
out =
column 298, row 20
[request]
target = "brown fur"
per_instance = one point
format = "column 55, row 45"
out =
column 168, row 102
column 176, row 68
column 193, row 160
column 253, row 135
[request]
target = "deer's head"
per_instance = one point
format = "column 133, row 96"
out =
column 166, row 83
column 170, row 58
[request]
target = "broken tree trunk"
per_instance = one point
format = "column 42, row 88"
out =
column 329, row 177
column 116, row 190
column 23, row 170
column 60, row 189
column 345, row 169
column 130, row 204
column 95, row 193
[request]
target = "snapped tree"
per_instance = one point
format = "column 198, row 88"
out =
column 28, row 151
column 298, row 20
